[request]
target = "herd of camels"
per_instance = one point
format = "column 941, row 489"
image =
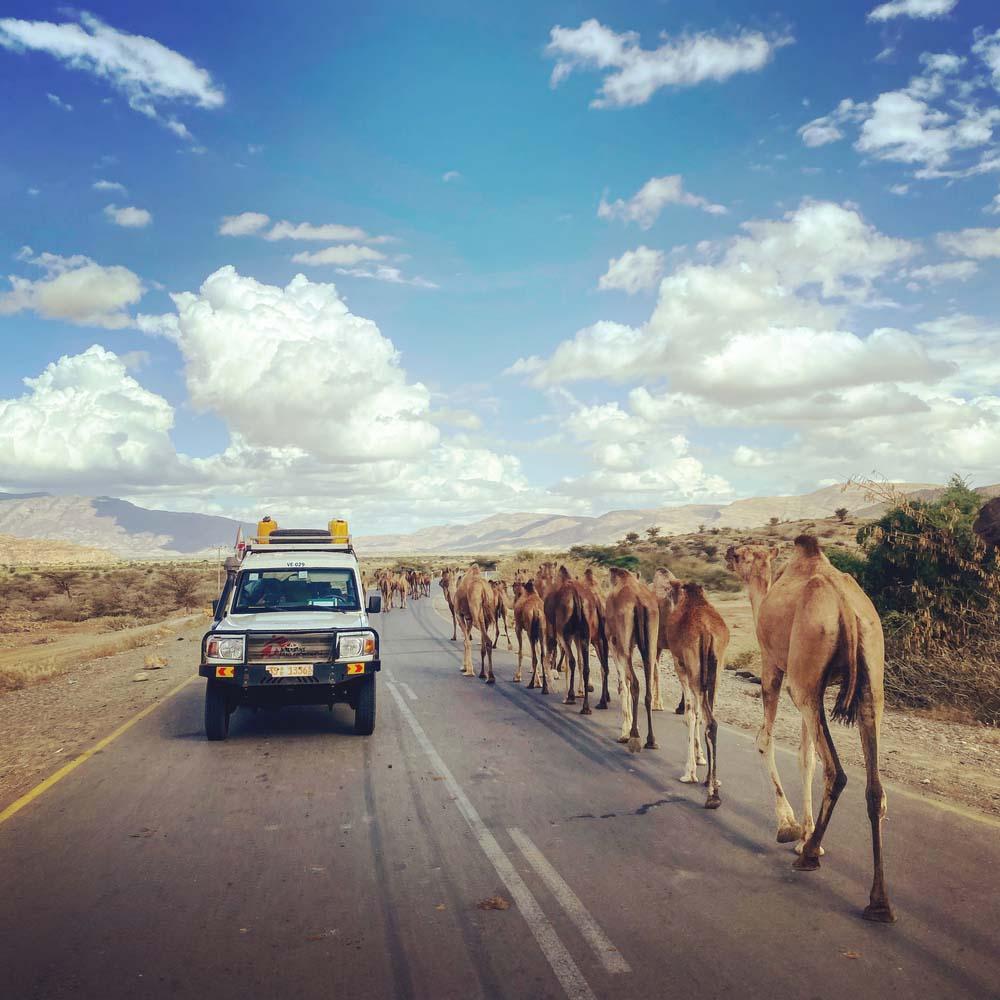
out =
column 816, row 628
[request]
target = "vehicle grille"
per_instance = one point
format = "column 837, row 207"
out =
column 290, row 647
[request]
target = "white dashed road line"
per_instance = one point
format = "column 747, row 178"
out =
column 566, row 970
column 410, row 693
column 608, row 955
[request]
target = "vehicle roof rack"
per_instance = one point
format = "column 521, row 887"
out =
column 298, row 541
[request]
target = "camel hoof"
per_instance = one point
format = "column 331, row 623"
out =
column 805, row 863
column 570, row 699
column 713, row 801
column 657, row 708
column 651, row 744
column 800, row 846
column 634, row 744
column 790, row 833
column 701, row 761
column 517, row 680
column 590, row 688
column 586, row 710
column 881, row 913
column 623, row 739
column 531, row 687
column 601, row 704
column 689, row 779
column 679, row 710
column 491, row 680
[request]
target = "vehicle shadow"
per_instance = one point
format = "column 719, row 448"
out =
column 291, row 720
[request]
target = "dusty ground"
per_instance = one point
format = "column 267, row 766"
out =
column 48, row 723
column 949, row 761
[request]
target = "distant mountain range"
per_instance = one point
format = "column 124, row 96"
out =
column 129, row 531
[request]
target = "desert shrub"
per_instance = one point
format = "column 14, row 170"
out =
column 743, row 660
column 59, row 608
column 848, row 562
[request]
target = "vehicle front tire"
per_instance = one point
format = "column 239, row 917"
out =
column 216, row 712
column 364, row 714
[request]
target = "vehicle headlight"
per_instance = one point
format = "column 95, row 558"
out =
column 356, row 646
column 225, row 647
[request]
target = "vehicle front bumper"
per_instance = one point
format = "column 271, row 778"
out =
column 255, row 675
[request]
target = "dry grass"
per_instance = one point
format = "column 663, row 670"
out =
column 21, row 667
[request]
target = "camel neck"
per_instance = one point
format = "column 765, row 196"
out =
column 758, row 588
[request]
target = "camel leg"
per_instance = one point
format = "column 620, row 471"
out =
column 602, row 654
column 541, row 658
column 679, row 710
column 807, row 764
column 505, row 632
column 519, row 632
column 583, row 645
column 834, row 780
column 454, row 627
column 711, row 738
column 657, row 697
column 771, row 681
column 869, row 719
column 567, row 651
column 690, row 775
column 484, row 638
column 699, row 746
column 466, row 647
column 649, row 673
column 486, row 654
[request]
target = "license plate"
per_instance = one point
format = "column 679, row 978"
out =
column 290, row 669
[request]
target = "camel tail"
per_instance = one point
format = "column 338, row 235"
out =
column 578, row 620
column 709, row 667
column 642, row 631
column 853, row 670
column 536, row 628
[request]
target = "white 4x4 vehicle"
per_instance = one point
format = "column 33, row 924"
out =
column 291, row 628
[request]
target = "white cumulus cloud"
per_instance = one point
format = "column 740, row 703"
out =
column 328, row 232
column 75, row 289
column 645, row 206
column 635, row 271
column 243, row 224
column 145, row 71
column 911, row 8
column 979, row 243
column 103, row 185
column 293, row 368
column 56, row 100
column 128, row 217
column 349, row 253
column 85, row 422
column 633, row 74
column 384, row 272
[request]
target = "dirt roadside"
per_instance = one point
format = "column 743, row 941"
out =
column 947, row 761
column 47, row 724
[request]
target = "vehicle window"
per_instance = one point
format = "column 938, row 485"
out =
column 296, row 590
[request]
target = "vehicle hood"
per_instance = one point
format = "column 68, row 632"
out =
column 283, row 621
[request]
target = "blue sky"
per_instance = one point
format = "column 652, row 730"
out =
column 584, row 256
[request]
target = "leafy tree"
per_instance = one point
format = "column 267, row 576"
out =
column 62, row 580
column 632, row 537
column 653, row 532
column 841, row 514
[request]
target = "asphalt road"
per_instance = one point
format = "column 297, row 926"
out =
column 297, row 860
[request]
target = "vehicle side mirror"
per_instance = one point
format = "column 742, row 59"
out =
column 374, row 604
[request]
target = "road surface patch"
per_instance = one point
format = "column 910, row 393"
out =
column 607, row 954
column 29, row 797
column 566, row 970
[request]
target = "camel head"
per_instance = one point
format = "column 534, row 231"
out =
column 564, row 574
column 662, row 579
column 519, row 588
column 751, row 562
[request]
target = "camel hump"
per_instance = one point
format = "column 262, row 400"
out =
column 695, row 590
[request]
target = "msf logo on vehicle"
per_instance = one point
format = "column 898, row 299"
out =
column 280, row 646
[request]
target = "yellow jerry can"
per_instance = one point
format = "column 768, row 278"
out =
column 264, row 529
column 339, row 532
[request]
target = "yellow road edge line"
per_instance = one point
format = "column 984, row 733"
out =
column 29, row 797
column 950, row 807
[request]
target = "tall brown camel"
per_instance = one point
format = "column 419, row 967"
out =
column 633, row 621
column 500, row 600
column 662, row 580
column 697, row 638
column 574, row 621
column 815, row 627
column 476, row 609
column 448, row 585
column 529, row 619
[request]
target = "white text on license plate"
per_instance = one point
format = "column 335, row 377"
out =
column 290, row 669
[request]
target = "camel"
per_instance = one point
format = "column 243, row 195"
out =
column 399, row 587
column 987, row 523
column 573, row 619
column 529, row 619
column 815, row 627
column 476, row 609
column 500, row 597
column 448, row 585
column 662, row 580
column 697, row 638
column 385, row 585
column 633, row 620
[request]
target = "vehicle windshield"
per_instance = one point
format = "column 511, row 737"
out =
column 324, row 589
